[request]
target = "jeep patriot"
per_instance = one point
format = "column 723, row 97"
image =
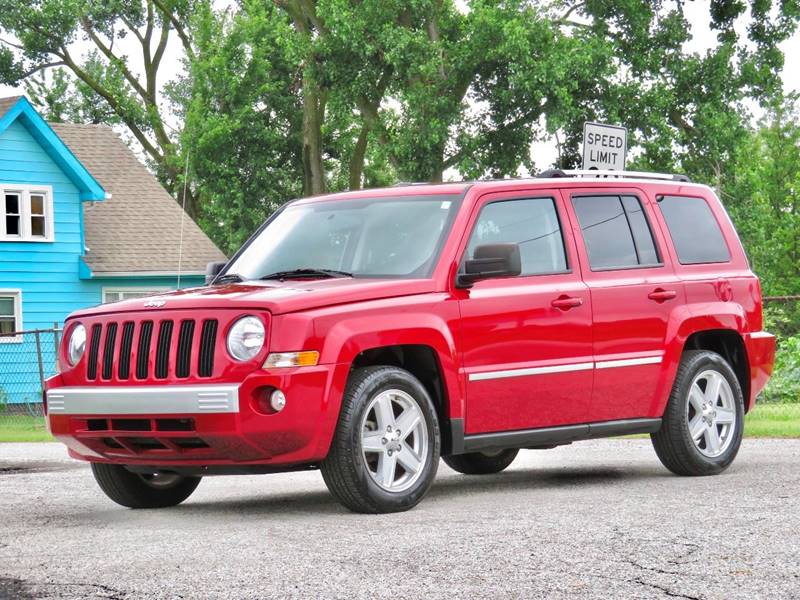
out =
column 369, row 333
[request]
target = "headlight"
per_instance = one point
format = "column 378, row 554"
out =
column 77, row 344
column 246, row 338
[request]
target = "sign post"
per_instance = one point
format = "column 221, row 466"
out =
column 604, row 147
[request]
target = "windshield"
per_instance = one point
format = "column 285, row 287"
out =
column 365, row 237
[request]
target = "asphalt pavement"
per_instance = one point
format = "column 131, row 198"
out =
column 598, row 519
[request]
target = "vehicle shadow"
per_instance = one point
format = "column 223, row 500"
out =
column 447, row 485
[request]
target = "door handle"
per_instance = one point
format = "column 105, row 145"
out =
column 660, row 295
column 566, row 302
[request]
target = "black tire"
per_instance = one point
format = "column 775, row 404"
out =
column 481, row 463
column 673, row 442
column 142, row 491
column 345, row 469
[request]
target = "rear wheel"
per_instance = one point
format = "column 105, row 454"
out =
column 481, row 463
column 134, row 490
column 385, row 451
column 703, row 423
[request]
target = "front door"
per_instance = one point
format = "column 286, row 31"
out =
column 526, row 340
column 633, row 293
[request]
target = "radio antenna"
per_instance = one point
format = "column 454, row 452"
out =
column 183, row 218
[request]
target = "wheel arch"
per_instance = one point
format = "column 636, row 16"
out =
column 729, row 344
column 424, row 363
column 719, row 332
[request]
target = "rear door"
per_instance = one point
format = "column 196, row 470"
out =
column 526, row 340
column 633, row 291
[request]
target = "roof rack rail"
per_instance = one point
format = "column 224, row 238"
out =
column 597, row 174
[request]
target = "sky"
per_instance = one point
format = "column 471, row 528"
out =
column 544, row 152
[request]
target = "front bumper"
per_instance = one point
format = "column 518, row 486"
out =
column 144, row 400
column 201, row 425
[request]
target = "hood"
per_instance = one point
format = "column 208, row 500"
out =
column 275, row 296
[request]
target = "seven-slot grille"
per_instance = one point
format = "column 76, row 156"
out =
column 148, row 351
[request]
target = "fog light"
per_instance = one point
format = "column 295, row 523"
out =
column 277, row 401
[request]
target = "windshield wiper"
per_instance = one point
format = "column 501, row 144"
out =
column 306, row 273
column 229, row 278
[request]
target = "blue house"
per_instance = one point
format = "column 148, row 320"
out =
column 82, row 222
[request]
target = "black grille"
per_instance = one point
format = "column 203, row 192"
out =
column 108, row 350
column 185, row 336
column 94, row 348
column 162, row 350
column 112, row 346
column 143, row 353
column 125, row 351
column 208, row 339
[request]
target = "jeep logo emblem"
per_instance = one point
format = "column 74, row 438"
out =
column 154, row 303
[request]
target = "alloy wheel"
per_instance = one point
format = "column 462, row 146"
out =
column 711, row 413
column 394, row 440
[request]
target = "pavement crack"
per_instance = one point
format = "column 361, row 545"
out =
column 658, row 570
column 664, row 589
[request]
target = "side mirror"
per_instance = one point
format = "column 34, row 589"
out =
column 213, row 269
column 489, row 262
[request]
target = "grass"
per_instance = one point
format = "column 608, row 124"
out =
column 22, row 428
column 765, row 421
column 773, row 421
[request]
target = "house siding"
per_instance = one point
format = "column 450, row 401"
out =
column 47, row 273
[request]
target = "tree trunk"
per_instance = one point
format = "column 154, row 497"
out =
column 313, row 115
column 190, row 204
column 437, row 166
column 357, row 160
column 369, row 117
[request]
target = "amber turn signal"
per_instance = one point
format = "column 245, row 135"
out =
column 307, row 358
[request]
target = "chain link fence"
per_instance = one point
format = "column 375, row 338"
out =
column 27, row 359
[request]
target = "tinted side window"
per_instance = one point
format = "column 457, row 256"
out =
column 615, row 232
column 694, row 230
column 533, row 224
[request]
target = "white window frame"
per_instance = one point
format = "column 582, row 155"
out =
column 25, row 191
column 139, row 290
column 16, row 294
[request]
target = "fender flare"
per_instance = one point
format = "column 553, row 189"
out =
column 349, row 337
column 684, row 322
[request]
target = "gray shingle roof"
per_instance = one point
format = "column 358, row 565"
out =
column 137, row 230
column 6, row 103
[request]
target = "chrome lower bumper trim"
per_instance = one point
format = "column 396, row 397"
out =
column 144, row 400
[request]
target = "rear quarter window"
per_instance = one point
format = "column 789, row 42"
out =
column 694, row 230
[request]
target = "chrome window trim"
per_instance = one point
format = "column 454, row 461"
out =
column 144, row 400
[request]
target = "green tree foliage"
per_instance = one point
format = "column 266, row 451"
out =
column 243, row 119
column 106, row 85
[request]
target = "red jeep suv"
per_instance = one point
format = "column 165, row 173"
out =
column 369, row 333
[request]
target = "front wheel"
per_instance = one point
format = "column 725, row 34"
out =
column 385, row 451
column 702, row 427
column 481, row 463
column 134, row 490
